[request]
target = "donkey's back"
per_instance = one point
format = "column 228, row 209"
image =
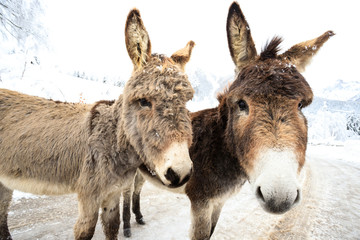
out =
column 42, row 143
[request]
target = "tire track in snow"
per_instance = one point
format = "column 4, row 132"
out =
column 330, row 206
column 338, row 215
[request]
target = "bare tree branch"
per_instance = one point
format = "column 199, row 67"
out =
column 9, row 21
column 19, row 19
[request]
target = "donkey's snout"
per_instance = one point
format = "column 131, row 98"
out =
column 277, row 201
column 177, row 166
column 275, row 180
column 175, row 179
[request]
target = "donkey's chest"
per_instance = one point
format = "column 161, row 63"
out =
column 220, row 176
column 226, row 186
column 215, row 185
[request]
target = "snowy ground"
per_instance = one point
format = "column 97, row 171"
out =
column 330, row 208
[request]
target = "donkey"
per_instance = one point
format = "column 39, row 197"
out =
column 257, row 133
column 50, row 147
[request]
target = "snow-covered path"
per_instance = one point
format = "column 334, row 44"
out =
column 330, row 209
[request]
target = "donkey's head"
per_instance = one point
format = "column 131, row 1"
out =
column 155, row 117
column 265, row 126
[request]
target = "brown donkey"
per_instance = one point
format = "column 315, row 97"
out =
column 50, row 147
column 257, row 133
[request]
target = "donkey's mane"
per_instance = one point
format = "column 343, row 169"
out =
column 271, row 48
column 269, row 51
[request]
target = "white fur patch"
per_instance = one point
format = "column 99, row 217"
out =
column 275, row 172
column 275, row 162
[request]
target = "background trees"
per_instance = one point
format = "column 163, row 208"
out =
column 20, row 23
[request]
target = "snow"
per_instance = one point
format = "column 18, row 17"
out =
column 345, row 151
column 94, row 66
column 342, row 90
column 61, row 87
column 20, row 195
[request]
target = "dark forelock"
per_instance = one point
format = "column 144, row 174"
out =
column 271, row 48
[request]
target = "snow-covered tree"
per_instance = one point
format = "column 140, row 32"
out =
column 353, row 123
column 20, row 20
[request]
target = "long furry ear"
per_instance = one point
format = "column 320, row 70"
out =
column 137, row 39
column 182, row 56
column 301, row 54
column 241, row 45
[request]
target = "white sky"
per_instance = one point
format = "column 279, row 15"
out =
column 89, row 35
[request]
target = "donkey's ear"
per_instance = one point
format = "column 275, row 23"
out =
column 241, row 45
column 137, row 39
column 182, row 56
column 301, row 54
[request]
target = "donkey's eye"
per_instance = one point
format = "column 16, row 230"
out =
column 243, row 105
column 144, row 103
column 300, row 105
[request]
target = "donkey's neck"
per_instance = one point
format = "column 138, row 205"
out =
column 209, row 134
column 123, row 142
column 210, row 154
column 108, row 137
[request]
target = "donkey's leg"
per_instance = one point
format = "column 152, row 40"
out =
column 138, row 184
column 126, row 212
column 5, row 199
column 215, row 216
column 200, row 220
column 88, row 215
column 110, row 215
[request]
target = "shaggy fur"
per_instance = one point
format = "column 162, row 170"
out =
column 50, row 147
column 260, row 110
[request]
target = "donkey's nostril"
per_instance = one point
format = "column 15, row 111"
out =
column 298, row 197
column 172, row 177
column 259, row 194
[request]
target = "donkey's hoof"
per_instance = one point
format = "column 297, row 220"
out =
column 127, row 232
column 140, row 221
